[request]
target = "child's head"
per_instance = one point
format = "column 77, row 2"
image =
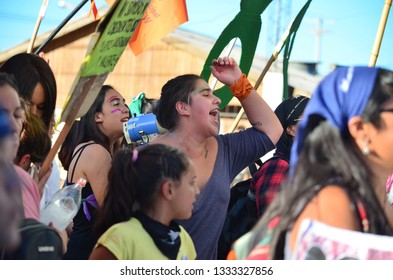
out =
column 35, row 143
column 157, row 178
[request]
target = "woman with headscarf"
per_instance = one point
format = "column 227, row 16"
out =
column 340, row 161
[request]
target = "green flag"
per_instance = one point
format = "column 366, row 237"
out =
column 288, row 44
column 246, row 26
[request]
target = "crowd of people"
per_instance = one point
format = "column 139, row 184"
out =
column 168, row 199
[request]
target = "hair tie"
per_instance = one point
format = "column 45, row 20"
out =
column 134, row 155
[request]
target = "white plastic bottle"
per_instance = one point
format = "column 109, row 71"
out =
column 63, row 206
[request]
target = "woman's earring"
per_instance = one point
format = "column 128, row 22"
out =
column 366, row 150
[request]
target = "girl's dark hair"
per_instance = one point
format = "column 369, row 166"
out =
column 85, row 130
column 34, row 140
column 175, row 90
column 334, row 158
column 29, row 70
column 8, row 79
column 134, row 185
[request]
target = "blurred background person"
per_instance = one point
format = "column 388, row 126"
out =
column 340, row 160
column 37, row 86
column 266, row 182
column 35, row 144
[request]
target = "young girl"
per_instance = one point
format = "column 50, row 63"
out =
column 149, row 189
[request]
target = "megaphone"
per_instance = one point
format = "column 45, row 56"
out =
column 142, row 128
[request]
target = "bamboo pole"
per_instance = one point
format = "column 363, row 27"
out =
column 41, row 15
column 61, row 25
column 229, row 50
column 258, row 82
column 380, row 31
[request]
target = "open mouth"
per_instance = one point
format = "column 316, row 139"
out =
column 214, row 113
column 125, row 119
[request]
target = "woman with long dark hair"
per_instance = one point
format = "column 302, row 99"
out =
column 87, row 152
column 340, row 161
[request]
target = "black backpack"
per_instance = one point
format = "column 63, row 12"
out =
column 38, row 242
column 241, row 215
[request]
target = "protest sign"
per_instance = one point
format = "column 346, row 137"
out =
column 105, row 48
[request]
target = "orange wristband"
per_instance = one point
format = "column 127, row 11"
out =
column 241, row 88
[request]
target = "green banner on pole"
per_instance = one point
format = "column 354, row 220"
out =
column 246, row 26
column 289, row 44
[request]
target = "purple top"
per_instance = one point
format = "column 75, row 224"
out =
column 235, row 152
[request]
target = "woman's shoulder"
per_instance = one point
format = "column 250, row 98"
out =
column 24, row 176
column 122, row 229
column 333, row 206
column 21, row 172
column 92, row 150
column 332, row 191
column 90, row 158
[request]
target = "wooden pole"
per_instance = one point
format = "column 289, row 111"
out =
column 229, row 49
column 70, row 120
column 380, row 31
column 258, row 82
column 41, row 15
column 61, row 25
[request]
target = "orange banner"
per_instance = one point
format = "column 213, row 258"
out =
column 160, row 18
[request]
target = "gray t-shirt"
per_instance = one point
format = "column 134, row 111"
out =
column 235, row 152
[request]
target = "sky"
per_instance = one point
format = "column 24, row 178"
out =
column 347, row 28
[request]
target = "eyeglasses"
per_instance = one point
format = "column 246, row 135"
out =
column 386, row 110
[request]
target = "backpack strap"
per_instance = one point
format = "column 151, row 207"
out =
column 253, row 168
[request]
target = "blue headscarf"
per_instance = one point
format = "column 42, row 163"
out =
column 5, row 126
column 340, row 96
